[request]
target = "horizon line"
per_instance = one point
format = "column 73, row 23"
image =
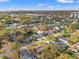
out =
column 43, row 10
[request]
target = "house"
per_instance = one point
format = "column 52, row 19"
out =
column 31, row 51
column 75, row 47
column 76, row 33
column 42, row 30
column 74, row 15
column 57, row 28
column 41, row 33
column 26, row 55
column 63, row 39
column 11, row 26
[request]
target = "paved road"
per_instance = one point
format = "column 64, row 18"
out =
column 40, row 40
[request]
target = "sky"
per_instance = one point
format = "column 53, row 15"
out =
column 39, row 5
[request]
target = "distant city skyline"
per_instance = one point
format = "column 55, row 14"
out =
column 39, row 5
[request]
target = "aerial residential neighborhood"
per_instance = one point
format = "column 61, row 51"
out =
column 39, row 35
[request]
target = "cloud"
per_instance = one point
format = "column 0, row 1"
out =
column 2, row 1
column 44, row 5
column 65, row 1
column 41, row 4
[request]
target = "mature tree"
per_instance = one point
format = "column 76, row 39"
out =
column 74, row 39
column 51, row 38
column 65, row 56
column 9, row 19
column 66, row 33
column 5, row 57
column 51, row 52
column 25, row 20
